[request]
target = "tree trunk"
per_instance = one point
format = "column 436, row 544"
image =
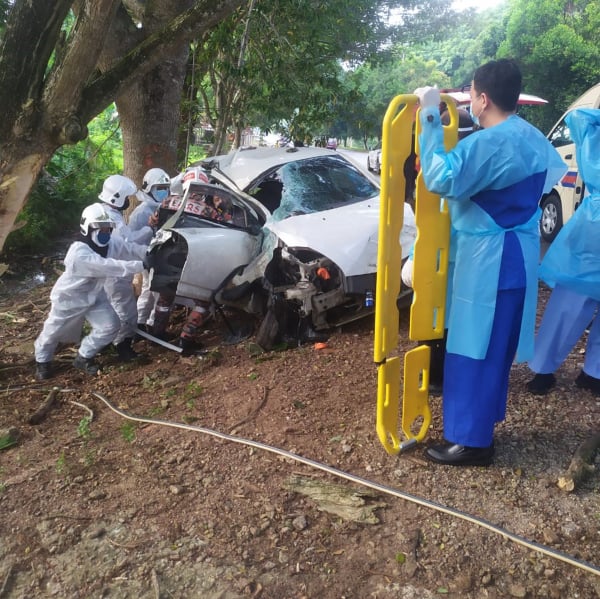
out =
column 45, row 108
column 149, row 114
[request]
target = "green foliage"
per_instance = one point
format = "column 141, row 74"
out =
column 128, row 431
column 556, row 43
column 61, row 463
column 83, row 429
column 71, row 181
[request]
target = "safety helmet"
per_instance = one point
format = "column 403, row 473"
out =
column 116, row 190
column 176, row 186
column 155, row 176
column 95, row 217
column 193, row 173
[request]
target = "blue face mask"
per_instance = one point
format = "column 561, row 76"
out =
column 159, row 195
column 474, row 118
column 101, row 238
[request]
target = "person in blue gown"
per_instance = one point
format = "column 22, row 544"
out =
column 493, row 182
column 571, row 267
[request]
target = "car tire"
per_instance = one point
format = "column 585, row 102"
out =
column 369, row 167
column 377, row 168
column 551, row 220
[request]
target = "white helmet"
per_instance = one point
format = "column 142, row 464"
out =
column 176, row 187
column 93, row 217
column 155, row 186
column 193, row 173
column 154, row 176
column 116, row 190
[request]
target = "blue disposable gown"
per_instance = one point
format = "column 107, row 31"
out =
column 573, row 259
column 493, row 181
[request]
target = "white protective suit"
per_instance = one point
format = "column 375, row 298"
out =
column 138, row 222
column 78, row 295
column 126, row 244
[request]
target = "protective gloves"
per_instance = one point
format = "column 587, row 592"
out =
column 428, row 96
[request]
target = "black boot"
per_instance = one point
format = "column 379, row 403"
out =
column 540, row 384
column 88, row 365
column 125, row 351
column 585, row 381
column 43, row 371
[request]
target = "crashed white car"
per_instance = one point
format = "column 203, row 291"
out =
column 298, row 248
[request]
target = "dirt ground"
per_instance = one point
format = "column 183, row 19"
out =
column 262, row 476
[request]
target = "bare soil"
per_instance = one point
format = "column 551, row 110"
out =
column 95, row 504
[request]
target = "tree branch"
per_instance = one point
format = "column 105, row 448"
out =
column 191, row 24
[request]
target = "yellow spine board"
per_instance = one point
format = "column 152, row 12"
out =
column 429, row 277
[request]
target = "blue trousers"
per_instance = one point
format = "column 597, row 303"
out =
column 475, row 391
column 565, row 319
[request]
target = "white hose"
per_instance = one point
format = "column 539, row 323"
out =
column 582, row 565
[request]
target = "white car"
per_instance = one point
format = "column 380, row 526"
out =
column 374, row 159
column 299, row 248
column 559, row 205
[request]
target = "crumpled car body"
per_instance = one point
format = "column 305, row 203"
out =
column 300, row 251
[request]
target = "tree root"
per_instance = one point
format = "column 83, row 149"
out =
column 581, row 466
column 40, row 414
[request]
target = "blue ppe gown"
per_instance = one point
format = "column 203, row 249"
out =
column 493, row 181
column 571, row 265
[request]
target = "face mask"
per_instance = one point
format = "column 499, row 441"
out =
column 101, row 238
column 474, row 118
column 124, row 206
column 159, row 195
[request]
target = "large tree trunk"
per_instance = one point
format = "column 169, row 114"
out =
column 149, row 109
column 44, row 109
column 39, row 119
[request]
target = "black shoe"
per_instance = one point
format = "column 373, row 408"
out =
column 540, row 384
column 435, row 388
column 585, row 381
column 88, row 365
column 460, row 455
column 188, row 345
column 125, row 352
column 43, row 371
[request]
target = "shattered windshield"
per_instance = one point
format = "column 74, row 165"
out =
column 312, row 185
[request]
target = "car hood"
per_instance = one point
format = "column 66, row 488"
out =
column 347, row 235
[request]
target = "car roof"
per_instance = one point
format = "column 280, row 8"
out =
column 244, row 165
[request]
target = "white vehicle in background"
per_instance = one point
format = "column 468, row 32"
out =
column 374, row 159
column 559, row 205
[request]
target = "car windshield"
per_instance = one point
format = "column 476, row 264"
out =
column 312, row 185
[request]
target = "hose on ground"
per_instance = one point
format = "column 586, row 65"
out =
column 548, row 551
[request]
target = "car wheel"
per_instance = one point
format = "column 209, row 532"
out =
column 551, row 220
column 369, row 167
column 378, row 167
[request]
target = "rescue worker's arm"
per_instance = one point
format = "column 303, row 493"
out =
column 90, row 264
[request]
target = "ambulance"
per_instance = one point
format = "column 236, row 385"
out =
column 560, row 204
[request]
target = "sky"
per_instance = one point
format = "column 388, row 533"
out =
column 478, row 4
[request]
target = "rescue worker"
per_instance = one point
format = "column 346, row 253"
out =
column 493, row 182
column 79, row 295
column 155, row 188
column 197, row 204
column 116, row 191
column 572, row 267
